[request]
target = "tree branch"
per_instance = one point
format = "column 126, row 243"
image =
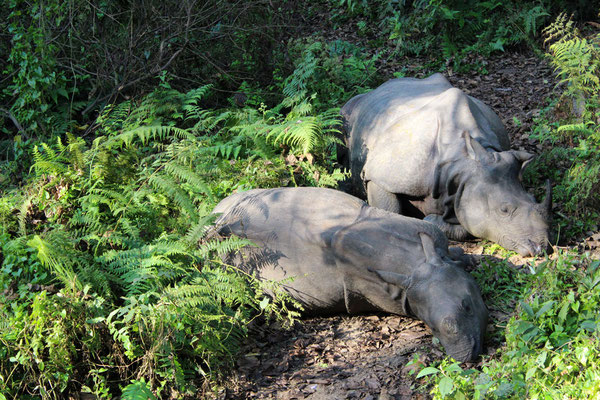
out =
column 14, row 121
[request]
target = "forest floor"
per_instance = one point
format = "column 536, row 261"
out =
column 366, row 357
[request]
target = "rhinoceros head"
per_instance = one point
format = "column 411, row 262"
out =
column 490, row 201
column 443, row 295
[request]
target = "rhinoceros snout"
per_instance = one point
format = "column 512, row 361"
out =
column 467, row 352
column 536, row 248
column 531, row 248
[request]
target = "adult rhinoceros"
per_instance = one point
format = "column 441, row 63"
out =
column 345, row 256
column 424, row 148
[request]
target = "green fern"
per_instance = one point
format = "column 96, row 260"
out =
column 583, row 127
column 296, row 83
column 123, row 226
column 55, row 253
column 147, row 133
column 138, row 390
column 298, row 130
column 576, row 59
column 47, row 160
column 198, row 231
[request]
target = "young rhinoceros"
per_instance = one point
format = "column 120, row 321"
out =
column 345, row 256
column 421, row 147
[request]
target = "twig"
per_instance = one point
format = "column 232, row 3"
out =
column 15, row 122
column 125, row 85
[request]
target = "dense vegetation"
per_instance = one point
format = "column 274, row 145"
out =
column 124, row 124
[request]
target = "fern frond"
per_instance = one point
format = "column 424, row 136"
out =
column 580, row 128
column 195, row 95
column 22, row 216
column 186, row 174
column 562, row 28
column 55, row 255
column 145, row 133
column 76, row 147
column 222, row 247
column 168, row 186
column 198, row 231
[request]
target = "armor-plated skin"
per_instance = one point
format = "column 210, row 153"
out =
column 345, row 256
column 424, row 148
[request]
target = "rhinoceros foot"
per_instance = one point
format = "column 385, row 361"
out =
column 452, row 231
column 457, row 254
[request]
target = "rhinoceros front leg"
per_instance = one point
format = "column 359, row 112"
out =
column 452, row 231
column 381, row 198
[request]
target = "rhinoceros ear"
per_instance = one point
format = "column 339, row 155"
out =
column 525, row 158
column 400, row 280
column 475, row 150
column 431, row 256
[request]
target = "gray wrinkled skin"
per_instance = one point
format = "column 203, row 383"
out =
column 424, row 148
column 346, row 256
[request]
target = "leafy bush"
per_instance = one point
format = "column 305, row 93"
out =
column 464, row 27
column 576, row 138
column 67, row 59
column 449, row 30
column 109, row 276
column 37, row 88
column 328, row 72
column 551, row 348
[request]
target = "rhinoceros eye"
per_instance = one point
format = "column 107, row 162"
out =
column 466, row 306
column 506, row 209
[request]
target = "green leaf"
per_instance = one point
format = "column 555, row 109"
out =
column 582, row 354
column 562, row 314
column 527, row 308
column 589, row 325
column 138, row 390
column 545, row 307
column 541, row 359
column 454, row 368
column 504, row 389
column 530, row 372
column 427, row 371
column 446, row 386
column 264, row 303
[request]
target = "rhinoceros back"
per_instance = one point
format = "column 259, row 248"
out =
column 294, row 229
column 276, row 217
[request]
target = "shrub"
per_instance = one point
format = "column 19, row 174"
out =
column 551, row 348
column 576, row 139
